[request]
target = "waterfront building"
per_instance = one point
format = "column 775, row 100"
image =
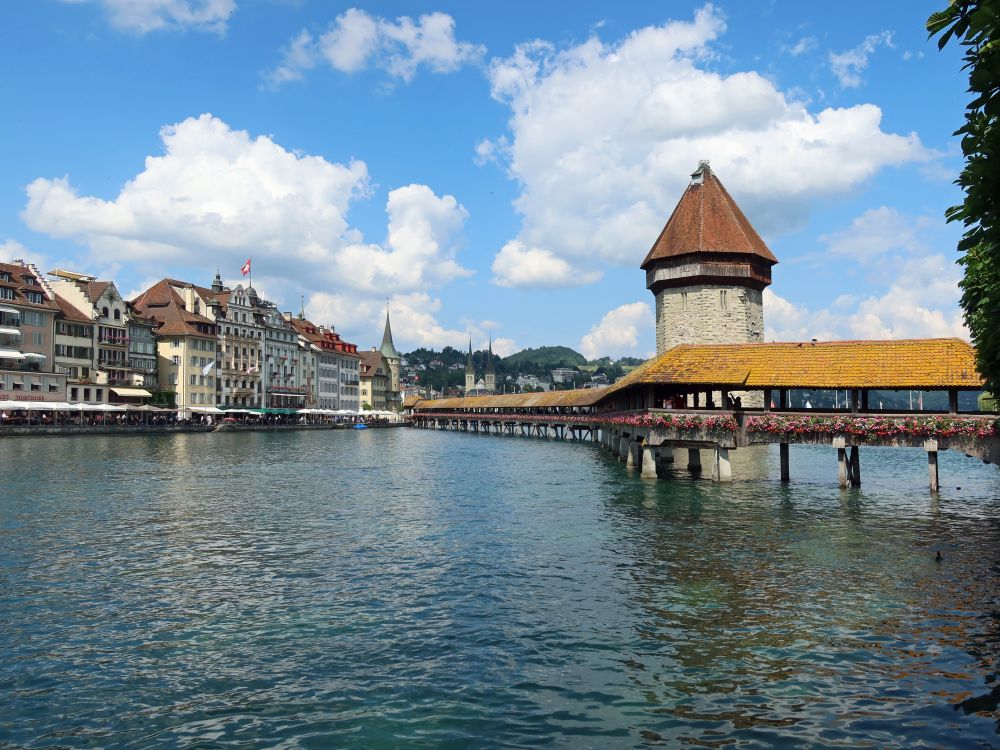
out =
column 27, row 317
column 142, row 350
column 240, row 345
column 102, row 302
column 392, row 357
column 185, row 343
column 375, row 380
column 707, row 270
column 73, row 352
column 281, row 360
column 349, row 365
column 334, row 365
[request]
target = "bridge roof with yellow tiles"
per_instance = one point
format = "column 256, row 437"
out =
column 925, row 364
column 578, row 397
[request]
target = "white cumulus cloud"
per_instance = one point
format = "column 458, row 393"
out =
column 848, row 65
column 216, row 196
column 877, row 232
column 602, row 137
column 357, row 40
column 618, row 333
column 144, row 16
column 517, row 265
column 916, row 292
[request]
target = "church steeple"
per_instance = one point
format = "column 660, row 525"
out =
column 491, row 377
column 217, row 282
column 388, row 349
column 470, row 370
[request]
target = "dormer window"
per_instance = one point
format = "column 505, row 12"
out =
column 30, row 280
column 35, row 298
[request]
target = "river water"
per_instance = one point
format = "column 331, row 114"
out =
column 409, row 588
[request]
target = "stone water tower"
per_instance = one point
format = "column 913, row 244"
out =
column 707, row 270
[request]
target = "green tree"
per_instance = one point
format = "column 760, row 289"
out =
column 975, row 24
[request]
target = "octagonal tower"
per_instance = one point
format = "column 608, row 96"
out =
column 707, row 270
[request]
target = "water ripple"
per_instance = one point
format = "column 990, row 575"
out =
column 423, row 589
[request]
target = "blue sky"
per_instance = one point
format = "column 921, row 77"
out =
column 488, row 167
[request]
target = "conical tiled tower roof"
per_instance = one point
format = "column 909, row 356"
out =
column 707, row 220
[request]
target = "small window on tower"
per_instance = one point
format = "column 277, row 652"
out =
column 722, row 300
column 684, row 300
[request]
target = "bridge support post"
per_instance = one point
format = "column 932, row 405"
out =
column 931, row 446
column 648, row 461
column 842, row 467
column 783, row 454
column 622, row 447
column 632, row 457
column 722, row 469
column 694, row 460
column 666, row 455
column 854, row 464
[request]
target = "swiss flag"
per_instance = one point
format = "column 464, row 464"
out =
column 246, row 267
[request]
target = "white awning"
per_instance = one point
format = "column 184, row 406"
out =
column 33, row 355
column 10, row 311
column 137, row 392
column 206, row 409
column 10, row 354
column 38, row 405
column 10, row 330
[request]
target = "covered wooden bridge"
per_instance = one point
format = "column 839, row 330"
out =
column 724, row 396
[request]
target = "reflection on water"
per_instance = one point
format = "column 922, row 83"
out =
column 417, row 588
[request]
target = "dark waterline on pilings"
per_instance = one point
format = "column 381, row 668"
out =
column 413, row 588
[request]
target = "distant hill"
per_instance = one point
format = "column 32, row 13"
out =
column 545, row 357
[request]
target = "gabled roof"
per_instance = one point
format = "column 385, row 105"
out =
column 370, row 362
column 20, row 287
column 895, row 364
column 162, row 303
column 707, row 220
column 71, row 312
column 94, row 289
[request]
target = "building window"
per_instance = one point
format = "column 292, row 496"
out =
column 35, row 298
column 6, row 292
column 118, row 314
column 684, row 300
column 723, row 305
